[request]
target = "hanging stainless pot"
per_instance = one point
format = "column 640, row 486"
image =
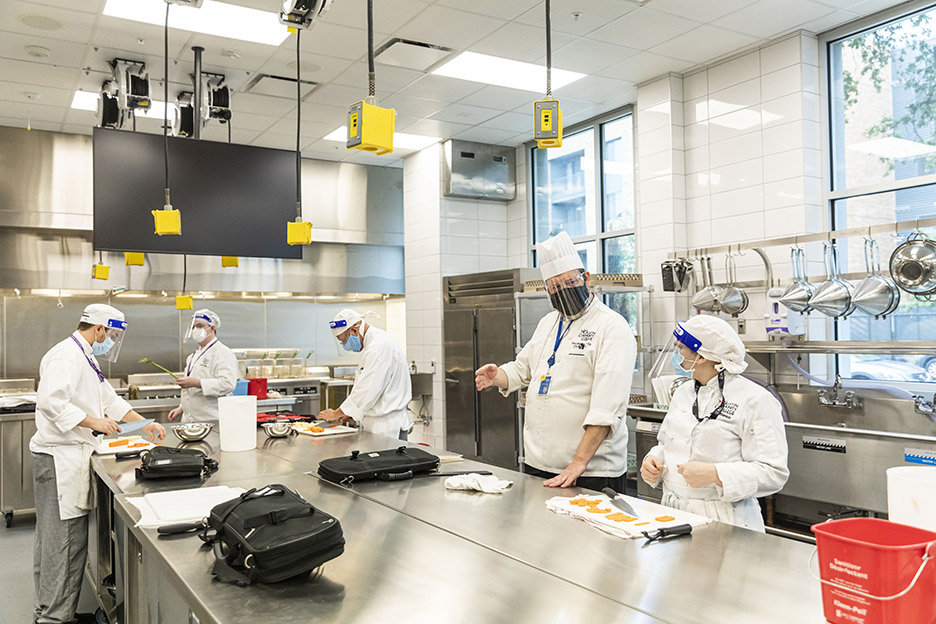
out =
column 733, row 300
column 796, row 296
column 913, row 265
column 876, row 295
column 707, row 297
column 834, row 296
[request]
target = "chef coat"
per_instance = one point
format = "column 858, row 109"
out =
column 589, row 384
column 747, row 444
column 69, row 390
column 382, row 387
column 216, row 366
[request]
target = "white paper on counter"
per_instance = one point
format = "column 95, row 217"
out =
column 646, row 512
column 162, row 508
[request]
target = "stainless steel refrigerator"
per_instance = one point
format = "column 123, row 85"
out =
column 479, row 326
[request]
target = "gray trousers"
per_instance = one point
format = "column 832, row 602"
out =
column 60, row 550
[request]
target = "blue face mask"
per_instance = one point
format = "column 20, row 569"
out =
column 100, row 348
column 353, row 343
column 678, row 360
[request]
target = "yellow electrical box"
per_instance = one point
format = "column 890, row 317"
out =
column 370, row 128
column 133, row 258
column 100, row 272
column 299, row 232
column 184, row 302
column 230, row 261
column 168, row 222
column 547, row 123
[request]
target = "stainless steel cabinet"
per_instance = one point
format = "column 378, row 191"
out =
column 16, row 473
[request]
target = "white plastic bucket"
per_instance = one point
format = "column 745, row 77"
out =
column 911, row 496
column 237, row 419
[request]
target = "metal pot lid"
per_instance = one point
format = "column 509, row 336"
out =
column 913, row 266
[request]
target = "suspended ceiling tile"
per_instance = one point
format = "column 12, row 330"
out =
column 337, row 95
column 82, row 118
column 335, row 115
column 77, row 129
column 495, row 8
column 261, row 104
column 407, row 105
column 594, row 89
column 703, row 44
column 520, row 42
column 593, row 14
column 501, row 98
column 589, row 56
column 48, row 96
column 461, row 113
column 121, row 34
column 331, row 40
column 28, row 73
column 35, row 124
column 436, row 128
column 223, row 55
column 250, row 121
column 389, row 78
column 830, row 21
column 700, row 11
column 767, row 18
column 30, row 110
column 442, row 88
column 389, row 15
column 643, row 29
column 75, row 26
column 315, row 67
column 567, row 103
column 60, row 53
column 514, row 122
column 449, row 27
column 85, row 6
column 311, row 129
column 644, row 66
column 276, row 141
column 482, row 134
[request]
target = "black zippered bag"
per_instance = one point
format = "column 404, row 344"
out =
column 269, row 534
column 163, row 462
column 391, row 465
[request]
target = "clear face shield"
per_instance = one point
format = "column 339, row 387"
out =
column 199, row 328
column 346, row 339
column 109, row 350
column 674, row 365
column 568, row 295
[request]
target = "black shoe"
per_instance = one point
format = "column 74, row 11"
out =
column 85, row 618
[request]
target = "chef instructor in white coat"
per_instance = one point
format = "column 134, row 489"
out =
column 722, row 443
column 578, row 365
column 382, row 387
column 74, row 399
column 210, row 372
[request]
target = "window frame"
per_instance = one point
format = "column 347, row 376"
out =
column 595, row 124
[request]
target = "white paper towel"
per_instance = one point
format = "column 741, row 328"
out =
column 237, row 419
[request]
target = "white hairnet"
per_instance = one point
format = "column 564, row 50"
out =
column 557, row 255
column 102, row 314
column 720, row 343
column 208, row 316
column 344, row 320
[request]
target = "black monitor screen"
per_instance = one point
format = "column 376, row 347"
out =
column 234, row 200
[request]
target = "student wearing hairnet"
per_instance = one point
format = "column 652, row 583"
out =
column 722, row 443
column 210, row 372
column 578, row 365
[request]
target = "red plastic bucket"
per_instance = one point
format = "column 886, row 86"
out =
column 876, row 572
column 257, row 387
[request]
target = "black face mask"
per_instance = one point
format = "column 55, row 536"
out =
column 570, row 301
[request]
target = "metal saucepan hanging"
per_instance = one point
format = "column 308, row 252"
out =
column 796, row 296
column 913, row 265
column 834, row 296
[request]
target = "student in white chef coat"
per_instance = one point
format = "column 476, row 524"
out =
column 722, row 443
column 578, row 365
column 73, row 400
column 382, row 387
column 210, row 372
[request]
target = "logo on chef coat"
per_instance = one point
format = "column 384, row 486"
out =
column 583, row 340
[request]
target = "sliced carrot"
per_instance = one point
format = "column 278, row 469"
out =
column 641, row 523
column 116, row 443
column 664, row 518
column 598, row 510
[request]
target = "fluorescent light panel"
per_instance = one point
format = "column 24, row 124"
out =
column 400, row 139
column 502, row 72
column 213, row 18
column 86, row 100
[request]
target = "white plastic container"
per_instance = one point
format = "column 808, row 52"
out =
column 237, row 420
column 911, row 496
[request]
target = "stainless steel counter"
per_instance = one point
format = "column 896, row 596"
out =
column 417, row 553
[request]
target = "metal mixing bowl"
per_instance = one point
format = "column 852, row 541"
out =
column 278, row 430
column 192, row 432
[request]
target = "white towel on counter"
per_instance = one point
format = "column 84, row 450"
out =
column 488, row 484
column 180, row 506
column 646, row 520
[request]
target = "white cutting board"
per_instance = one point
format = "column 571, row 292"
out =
column 191, row 504
column 336, row 430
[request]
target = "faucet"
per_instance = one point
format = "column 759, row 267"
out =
column 922, row 406
column 849, row 400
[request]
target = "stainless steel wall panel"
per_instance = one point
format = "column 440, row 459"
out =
column 152, row 332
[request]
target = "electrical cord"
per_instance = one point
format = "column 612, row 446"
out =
column 166, row 95
column 184, row 271
column 548, row 52
column 371, row 73
column 298, row 131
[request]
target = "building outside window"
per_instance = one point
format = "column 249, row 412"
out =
column 882, row 123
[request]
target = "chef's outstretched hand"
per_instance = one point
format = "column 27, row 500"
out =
column 567, row 477
column 175, row 413
column 485, row 376
column 155, row 430
column 188, row 382
column 651, row 469
column 699, row 474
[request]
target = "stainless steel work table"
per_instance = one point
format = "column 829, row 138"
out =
column 394, row 569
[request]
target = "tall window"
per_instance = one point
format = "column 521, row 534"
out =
column 882, row 87
column 586, row 188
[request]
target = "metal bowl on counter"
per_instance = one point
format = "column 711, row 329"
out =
column 278, row 429
column 192, row 432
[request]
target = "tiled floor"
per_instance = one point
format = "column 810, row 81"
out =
column 16, row 573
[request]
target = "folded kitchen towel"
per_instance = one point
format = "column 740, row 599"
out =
column 478, row 483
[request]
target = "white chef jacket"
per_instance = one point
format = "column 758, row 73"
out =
column 382, row 388
column 747, row 444
column 69, row 390
column 216, row 366
column 590, row 385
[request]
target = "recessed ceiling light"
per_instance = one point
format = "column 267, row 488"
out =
column 40, row 22
column 400, row 139
column 213, row 18
column 307, row 67
column 37, row 51
column 32, row 96
column 502, row 72
column 85, row 100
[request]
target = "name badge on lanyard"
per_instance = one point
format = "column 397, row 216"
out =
column 546, row 379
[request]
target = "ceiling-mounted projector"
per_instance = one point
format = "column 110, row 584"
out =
column 303, row 13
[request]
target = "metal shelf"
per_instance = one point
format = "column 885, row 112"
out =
column 922, row 347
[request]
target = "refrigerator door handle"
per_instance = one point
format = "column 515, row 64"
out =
column 449, row 380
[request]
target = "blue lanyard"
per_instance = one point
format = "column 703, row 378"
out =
column 188, row 369
column 97, row 370
column 559, row 336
